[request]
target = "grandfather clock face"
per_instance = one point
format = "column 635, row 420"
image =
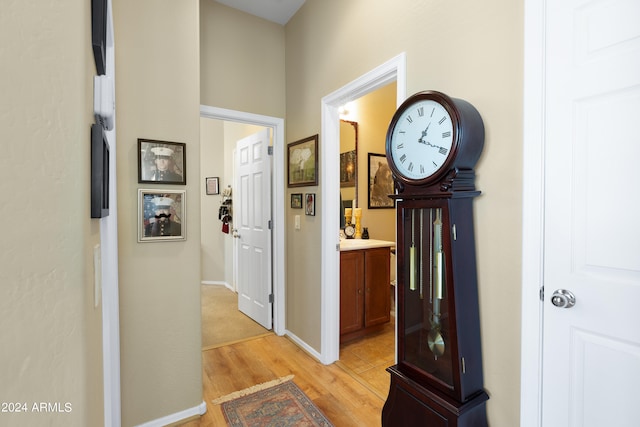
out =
column 428, row 342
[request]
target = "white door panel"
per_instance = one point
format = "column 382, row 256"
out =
column 254, row 212
column 591, row 352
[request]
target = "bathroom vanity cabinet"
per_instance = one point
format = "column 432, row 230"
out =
column 365, row 288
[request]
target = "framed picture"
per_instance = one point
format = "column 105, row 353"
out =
column 302, row 157
column 348, row 168
column 99, row 172
column 296, row 201
column 310, row 204
column 212, row 185
column 380, row 182
column 162, row 162
column 161, row 215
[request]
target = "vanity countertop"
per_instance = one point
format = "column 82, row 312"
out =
column 356, row 244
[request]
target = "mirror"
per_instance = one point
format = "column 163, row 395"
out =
column 348, row 166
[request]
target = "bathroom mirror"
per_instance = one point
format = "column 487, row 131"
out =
column 348, row 166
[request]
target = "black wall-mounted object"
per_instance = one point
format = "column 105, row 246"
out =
column 99, row 172
column 99, row 34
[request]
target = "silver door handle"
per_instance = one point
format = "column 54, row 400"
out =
column 563, row 298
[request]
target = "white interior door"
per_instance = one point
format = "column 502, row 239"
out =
column 591, row 351
column 251, row 221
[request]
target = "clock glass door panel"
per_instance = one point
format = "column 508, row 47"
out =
column 426, row 320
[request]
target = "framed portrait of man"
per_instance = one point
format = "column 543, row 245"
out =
column 161, row 162
column 161, row 215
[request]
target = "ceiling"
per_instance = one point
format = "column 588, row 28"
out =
column 279, row 11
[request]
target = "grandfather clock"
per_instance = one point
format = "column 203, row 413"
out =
column 432, row 146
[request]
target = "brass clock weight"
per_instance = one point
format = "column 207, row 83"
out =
column 432, row 145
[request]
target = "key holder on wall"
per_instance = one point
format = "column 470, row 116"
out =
column 224, row 213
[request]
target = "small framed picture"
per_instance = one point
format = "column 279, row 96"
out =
column 161, row 215
column 310, row 204
column 302, row 156
column 296, row 201
column 162, row 162
column 212, row 185
column 380, row 182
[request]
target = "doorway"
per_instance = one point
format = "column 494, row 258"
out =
column 277, row 128
column 390, row 71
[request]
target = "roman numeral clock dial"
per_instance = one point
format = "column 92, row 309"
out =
column 432, row 135
column 422, row 139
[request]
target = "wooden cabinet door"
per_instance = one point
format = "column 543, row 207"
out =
column 351, row 291
column 377, row 286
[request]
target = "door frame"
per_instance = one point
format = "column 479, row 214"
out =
column 109, row 271
column 277, row 198
column 390, row 71
column 532, row 315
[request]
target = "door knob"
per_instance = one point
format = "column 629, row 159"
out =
column 563, row 298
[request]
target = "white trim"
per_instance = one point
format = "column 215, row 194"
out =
column 109, row 261
column 216, row 283
column 532, row 214
column 201, row 409
column 390, row 71
column 303, row 345
column 277, row 124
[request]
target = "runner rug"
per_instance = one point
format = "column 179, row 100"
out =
column 276, row 403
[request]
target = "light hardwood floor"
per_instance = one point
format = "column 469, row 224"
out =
column 367, row 359
column 345, row 400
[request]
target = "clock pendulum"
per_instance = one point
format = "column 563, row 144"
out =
column 412, row 256
column 432, row 145
column 435, row 340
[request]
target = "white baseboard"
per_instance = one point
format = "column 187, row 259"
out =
column 214, row 282
column 201, row 409
column 312, row 352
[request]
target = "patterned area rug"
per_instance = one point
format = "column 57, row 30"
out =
column 278, row 403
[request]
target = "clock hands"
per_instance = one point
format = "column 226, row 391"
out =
column 424, row 133
column 422, row 140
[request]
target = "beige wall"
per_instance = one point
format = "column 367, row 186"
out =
column 470, row 50
column 157, row 95
column 50, row 345
column 212, row 164
column 242, row 61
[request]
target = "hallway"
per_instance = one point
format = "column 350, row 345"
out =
column 344, row 400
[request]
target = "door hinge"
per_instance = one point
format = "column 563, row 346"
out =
column 270, row 298
column 269, row 225
column 270, row 150
column 542, row 293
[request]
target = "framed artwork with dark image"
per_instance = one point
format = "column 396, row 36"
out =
column 296, row 201
column 162, row 162
column 212, row 185
column 161, row 215
column 380, row 182
column 302, row 157
column 99, row 172
column 310, row 204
